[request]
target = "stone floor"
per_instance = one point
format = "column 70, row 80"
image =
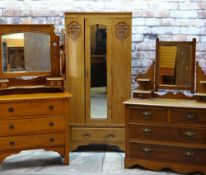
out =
column 40, row 162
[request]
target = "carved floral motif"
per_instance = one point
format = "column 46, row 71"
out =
column 74, row 30
column 122, row 30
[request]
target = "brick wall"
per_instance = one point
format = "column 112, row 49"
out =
column 166, row 19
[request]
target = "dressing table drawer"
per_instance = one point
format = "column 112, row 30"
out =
column 164, row 153
column 31, row 141
column 34, row 125
column 190, row 117
column 147, row 115
column 98, row 134
column 167, row 134
column 37, row 107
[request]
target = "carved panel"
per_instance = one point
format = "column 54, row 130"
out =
column 74, row 30
column 122, row 30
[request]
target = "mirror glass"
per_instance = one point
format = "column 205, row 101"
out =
column 25, row 52
column 175, row 65
column 98, row 64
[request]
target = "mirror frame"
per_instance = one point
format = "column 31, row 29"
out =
column 38, row 28
column 175, row 43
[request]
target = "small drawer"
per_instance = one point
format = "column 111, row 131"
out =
column 165, row 153
column 190, row 117
column 98, row 134
column 147, row 114
column 31, row 141
column 35, row 125
column 28, row 108
column 167, row 134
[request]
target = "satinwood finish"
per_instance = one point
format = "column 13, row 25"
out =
column 118, row 63
column 34, row 121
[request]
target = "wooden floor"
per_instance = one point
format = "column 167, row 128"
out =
column 40, row 162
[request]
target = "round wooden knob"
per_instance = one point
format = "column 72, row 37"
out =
column 12, row 143
column 51, row 140
column 11, row 126
column 11, row 109
column 51, row 124
column 51, row 107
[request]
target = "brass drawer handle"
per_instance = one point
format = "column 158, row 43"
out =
column 86, row 135
column 190, row 116
column 51, row 140
column 146, row 150
column 147, row 130
column 110, row 136
column 11, row 109
column 51, row 124
column 147, row 114
column 51, row 107
column 189, row 154
column 12, row 143
column 11, row 126
column 189, row 134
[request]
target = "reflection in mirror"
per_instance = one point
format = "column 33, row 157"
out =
column 98, row 90
column 175, row 65
column 22, row 51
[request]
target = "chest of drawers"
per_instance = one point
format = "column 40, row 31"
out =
column 166, row 133
column 34, row 121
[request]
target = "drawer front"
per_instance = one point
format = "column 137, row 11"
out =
column 167, row 133
column 35, row 125
column 44, row 140
column 147, row 114
column 98, row 134
column 191, row 117
column 31, row 141
column 167, row 153
column 37, row 107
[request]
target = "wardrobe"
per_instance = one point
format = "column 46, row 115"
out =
column 98, row 54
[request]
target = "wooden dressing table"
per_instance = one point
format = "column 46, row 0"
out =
column 33, row 104
column 167, row 129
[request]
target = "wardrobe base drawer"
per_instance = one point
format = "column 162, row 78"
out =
column 98, row 134
column 165, row 153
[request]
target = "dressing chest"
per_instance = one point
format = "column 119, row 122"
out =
column 166, row 118
column 33, row 103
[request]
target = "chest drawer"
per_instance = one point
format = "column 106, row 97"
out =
column 98, row 134
column 167, row 153
column 167, row 134
column 147, row 114
column 31, row 141
column 35, row 125
column 28, row 108
column 191, row 117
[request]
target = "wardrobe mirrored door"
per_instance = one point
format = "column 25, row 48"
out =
column 97, row 67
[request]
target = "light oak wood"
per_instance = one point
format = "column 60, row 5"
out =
column 118, row 59
column 75, row 71
column 34, row 121
column 98, row 134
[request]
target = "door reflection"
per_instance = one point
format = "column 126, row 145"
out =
column 98, row 89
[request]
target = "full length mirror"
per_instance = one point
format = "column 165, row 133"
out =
column 25, row 52
column 175, row 65
column 98, row 89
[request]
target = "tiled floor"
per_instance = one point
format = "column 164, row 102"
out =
column 40, row 162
